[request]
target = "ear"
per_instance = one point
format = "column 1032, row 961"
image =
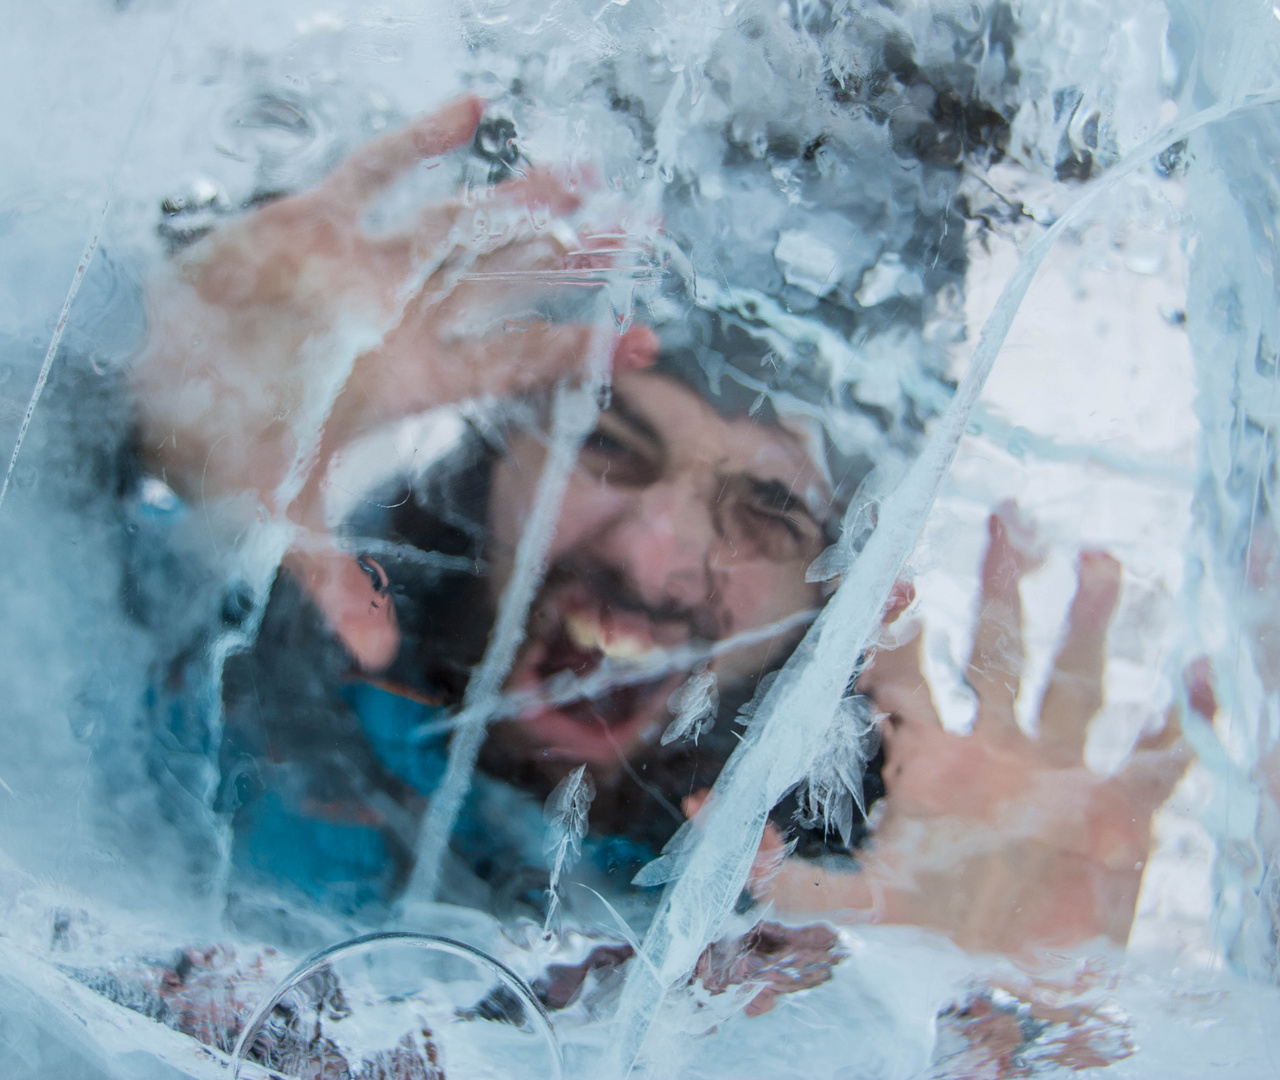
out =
column 352, row 593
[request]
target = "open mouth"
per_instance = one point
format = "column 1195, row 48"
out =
column 576, row 648
column 572, row 637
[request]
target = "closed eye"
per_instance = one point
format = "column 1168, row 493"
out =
column 767, row 517
column 773, row 499
column 772, row 496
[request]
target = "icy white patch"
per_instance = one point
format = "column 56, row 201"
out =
column 834, row 784
column 566, row 818
column 887, row 279
column 694, row 707
column 806, row 260
column 409, row 448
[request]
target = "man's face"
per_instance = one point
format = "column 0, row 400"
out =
column 678, row 527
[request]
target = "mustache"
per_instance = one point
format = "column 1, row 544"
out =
column 618, row 592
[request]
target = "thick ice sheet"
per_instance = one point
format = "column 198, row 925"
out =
column 1192, row 75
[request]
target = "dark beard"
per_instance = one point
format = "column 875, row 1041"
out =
column 445, row 621
column 643, row 801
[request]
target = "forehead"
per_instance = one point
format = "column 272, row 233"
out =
column 690, row 430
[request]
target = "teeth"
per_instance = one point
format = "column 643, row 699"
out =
column 625, row 648
column 587, row 633
column 584, row 632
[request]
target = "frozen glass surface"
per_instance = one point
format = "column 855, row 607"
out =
column 639, row 539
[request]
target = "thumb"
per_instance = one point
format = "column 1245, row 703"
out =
column 636, row 350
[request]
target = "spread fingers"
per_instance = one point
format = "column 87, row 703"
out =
column 1074, row 692
column 374, row 166
column 894, row 681
column 1160, row 757
column 995, row 664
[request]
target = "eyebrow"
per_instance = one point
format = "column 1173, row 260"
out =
column 639, row 424
column 781, row 496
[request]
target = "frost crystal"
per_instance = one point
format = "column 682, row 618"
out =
column 694, row 707
column 566, row 823
column 834, row 784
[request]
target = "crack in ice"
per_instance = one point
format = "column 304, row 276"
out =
column 574, row 412
column 611, row 675
column 792, row 722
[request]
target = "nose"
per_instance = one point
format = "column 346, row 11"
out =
column 663, row 543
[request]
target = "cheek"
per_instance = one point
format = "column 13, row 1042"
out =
column 589, row 508
column 757, row 594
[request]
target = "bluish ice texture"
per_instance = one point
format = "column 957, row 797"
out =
column 1140, row 147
